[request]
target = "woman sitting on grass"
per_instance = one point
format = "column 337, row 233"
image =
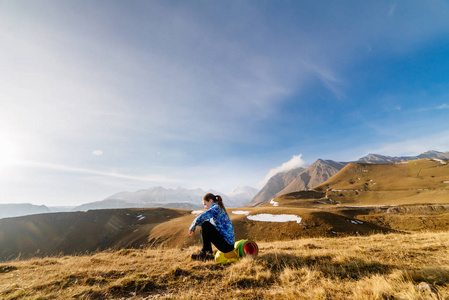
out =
column 216, row 228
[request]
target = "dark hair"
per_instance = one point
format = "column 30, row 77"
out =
column 217, row 199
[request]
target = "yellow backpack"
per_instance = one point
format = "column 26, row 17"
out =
column 242, row 248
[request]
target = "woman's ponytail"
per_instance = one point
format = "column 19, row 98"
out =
column 219, row 202
column 217, row 199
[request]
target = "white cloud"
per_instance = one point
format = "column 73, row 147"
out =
column 98, row 152
column 295, row 162
column 87, row 171
column 443, row 106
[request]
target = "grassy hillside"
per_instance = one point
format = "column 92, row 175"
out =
column 404, row 218
column 413, row 182
column 314, row 223
column 392, row 266
column 49, row 235
column 79, row 232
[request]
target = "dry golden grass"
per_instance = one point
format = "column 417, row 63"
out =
column 366, row 267
column 414, row 182
column 416, row 174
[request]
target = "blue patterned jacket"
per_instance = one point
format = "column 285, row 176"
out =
column 221, row 221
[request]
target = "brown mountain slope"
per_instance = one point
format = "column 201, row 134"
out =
column 315, row 174
column 79, row 232
column 406, row 217
column 97, row 230
column 413, row 182
column 314, row 223
column 274, row 185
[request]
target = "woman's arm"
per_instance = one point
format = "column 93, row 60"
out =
column 212, row 212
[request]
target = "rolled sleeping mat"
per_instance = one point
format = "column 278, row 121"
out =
column 246, row 248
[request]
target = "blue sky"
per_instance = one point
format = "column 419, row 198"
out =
column 98, row 97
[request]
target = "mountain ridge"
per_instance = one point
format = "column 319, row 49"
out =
column 275, row 184
column 20, row 209
column 316, row 173
column 173, row 198
column 312, row 175
column 384, row 159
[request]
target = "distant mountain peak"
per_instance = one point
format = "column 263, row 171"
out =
column 315, row 174
column 275, row 184
column 21, row 209
column 328, row 162
column 434, row 154
column 242, row 189
column 178, row 197
column 373, row 158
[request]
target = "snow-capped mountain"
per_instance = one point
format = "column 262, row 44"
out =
column 173, row 198
column 243, row 194
column 161, row 195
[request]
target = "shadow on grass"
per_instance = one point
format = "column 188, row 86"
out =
column 134, row 286
column 351, row 268
column 7, row 269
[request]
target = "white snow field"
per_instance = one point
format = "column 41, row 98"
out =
column 274, row 218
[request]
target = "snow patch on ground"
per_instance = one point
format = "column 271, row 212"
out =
column 240, row 212
column 320, row 202
column 274, row 203
column 356, row 206
column 274, row 218
column 356, row 222
column 140, row 217
column 196, row 212
column 329, row 199
column 438, row 160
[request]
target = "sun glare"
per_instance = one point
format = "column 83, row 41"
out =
column 8, row 152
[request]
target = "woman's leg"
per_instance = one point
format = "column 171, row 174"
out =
column 210, row 235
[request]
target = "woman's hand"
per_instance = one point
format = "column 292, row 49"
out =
column 192, row 233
